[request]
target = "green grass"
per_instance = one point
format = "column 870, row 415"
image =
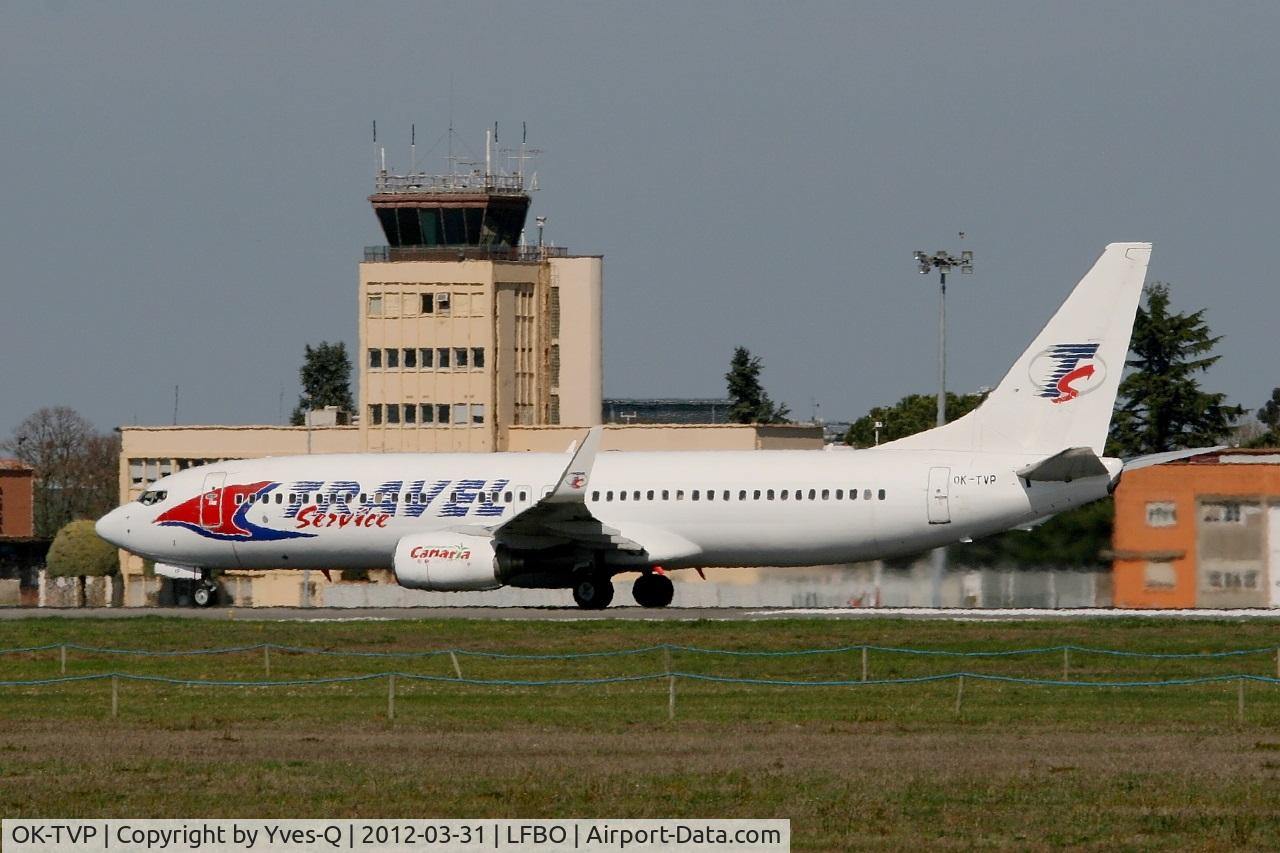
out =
column 878, row 766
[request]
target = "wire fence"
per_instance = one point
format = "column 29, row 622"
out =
column 1073, row 659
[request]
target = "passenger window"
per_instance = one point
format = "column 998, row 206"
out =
column 649, row 495
column 711, row 494
column 742, row 495
column 622, row 495
column 635, row 496
column 784, row 494
column 695, row 495
column 770, row 494
column 666, row 495
column 853, row 494
column 524, row 496
column 679, row 494
column 839, row 494
column 239, row 499
column 725, row 496
column 813, row 494
column 881, row 494
column 799, row 494
column 866, row 494
column 507, row 497
column 595, row 496
column 608, row 496
column 755, row 495
column 826, row 494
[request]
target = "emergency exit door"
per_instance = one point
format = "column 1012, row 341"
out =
column 939, row 496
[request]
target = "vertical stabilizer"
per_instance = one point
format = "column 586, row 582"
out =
column 1062, row 391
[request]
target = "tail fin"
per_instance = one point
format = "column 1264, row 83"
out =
column 1061, row 392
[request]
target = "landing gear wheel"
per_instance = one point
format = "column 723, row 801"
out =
column 593, row 592
column 205, row 594
column 652, row 590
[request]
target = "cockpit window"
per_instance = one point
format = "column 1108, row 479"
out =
column 152, row 497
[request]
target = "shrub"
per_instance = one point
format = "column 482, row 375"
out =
column 78, row 550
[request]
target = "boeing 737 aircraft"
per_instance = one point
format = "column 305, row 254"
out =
column 481, row 521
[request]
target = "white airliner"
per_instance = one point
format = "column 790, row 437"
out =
column 481, row 521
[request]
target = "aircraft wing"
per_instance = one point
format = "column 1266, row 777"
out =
column 1169, row 456
column 562, row 516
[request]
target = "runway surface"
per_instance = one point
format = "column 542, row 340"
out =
column 670, row 614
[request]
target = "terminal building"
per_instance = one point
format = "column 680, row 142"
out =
column 469, row 339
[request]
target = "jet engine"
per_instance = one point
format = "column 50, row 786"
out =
column 448, row 562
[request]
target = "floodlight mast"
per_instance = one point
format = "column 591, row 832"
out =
column 943, row 261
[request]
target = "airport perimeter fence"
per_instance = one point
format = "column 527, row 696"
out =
column 865, row 656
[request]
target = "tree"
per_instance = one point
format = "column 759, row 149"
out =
column 748, row 401
column 1162, row 406
column 912, row 414
column 1073, row 539
column 78, row 550
column 326, row 380
column 76, row 467
column 1269, row 418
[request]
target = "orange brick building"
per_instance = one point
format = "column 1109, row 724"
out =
column 17, row 518
column 1200, row 533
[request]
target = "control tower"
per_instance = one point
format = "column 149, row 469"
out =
column 465, row 328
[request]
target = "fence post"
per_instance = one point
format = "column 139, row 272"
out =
column 63, row 655
column 266, row 659
column 115, row 697
column 864, row 663
column 1066, row 663
column 456, row 668
column 671, row 682
column 391, row 696
column 1277, row 661
column 1239, row 701
column 959, row 692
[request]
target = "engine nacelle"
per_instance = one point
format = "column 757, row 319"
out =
column 447, row 562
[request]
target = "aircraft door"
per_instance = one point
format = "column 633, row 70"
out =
column 939, row 496
column 211, row 500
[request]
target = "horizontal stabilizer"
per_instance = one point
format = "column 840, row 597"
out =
column 1168, row 456
column 1074, row 463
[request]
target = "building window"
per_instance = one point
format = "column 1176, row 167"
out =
column 477, row 357
column 375, row 359
column 373, row 306
column 459, row 357
column 410, row 413
column 1159, row 575
column 375, row 414
column 442, row 413
column 393, row 413
column 428, row 303
column 1162, row 514
column 428, row 413
column 1226, row 512
column 460, row 413
column 409, row 358
column 477, row 413
column 426, row 357
column 442, row 358
column 392, row 357
column 442, row 303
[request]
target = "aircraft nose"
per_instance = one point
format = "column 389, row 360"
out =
column 114, row 526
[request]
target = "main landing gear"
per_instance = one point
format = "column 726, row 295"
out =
column 653, row 590
column 205, row 593
column 593, row 592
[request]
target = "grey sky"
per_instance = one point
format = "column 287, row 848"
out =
column 184, row 184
